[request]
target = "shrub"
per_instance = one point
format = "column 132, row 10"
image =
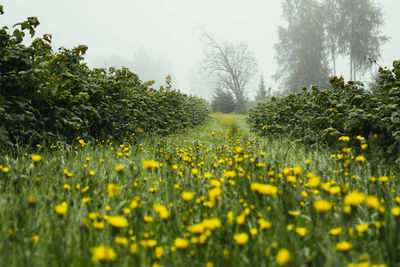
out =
column 55, row 97
column 321, row 116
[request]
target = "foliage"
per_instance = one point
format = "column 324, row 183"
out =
column 316, row 29
column 55, row 97
column 223, row 101
column 301, row 52
column 321, row 116
column 360, row 33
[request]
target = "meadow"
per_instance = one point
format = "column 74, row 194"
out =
column 214, row 195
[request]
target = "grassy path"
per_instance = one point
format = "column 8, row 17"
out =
column 212, row 196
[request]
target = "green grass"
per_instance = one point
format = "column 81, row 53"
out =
column 212, row 149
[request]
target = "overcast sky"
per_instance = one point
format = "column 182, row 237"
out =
column 169, row 30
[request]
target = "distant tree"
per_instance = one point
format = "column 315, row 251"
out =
column 261, row 93
column 361, row 36
column 334, row 25
column 233, row 65
column 223, row 101
column 301, row 51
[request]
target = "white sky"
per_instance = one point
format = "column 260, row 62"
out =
column 169, row 29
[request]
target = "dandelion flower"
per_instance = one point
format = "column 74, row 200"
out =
column 117, row 221
column 36, row 158
column 62, row 208
column 241, row 238
column 343, row 246
column 322, row 206
column 283, row 257
column 181, row 243
column 103, row 253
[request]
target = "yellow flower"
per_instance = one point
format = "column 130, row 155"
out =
column 159, row 252
column 335, row 231
column 360, row 159
column 103, row 253
column 117, row 221
column 264, row 224
column 214, row 194
column 313, row 181
column 85, row 200
column 119, row 168
column 181, row 243
column 121, row 240
column 343, row 246
column 354, row 198
column 91, row 173
column 372, row 202
column 98, row 225
column 308, row 161
column 334, row 190
column 62, row 208
column 147, row 219
column 344, row 138
column 291, row 179
column 241, row 238
column 32, row 200
column 36, row 158
column 396, row 211
column 5, row 169
column 253, row 231
column 293, row 212
column 229, row 174
column 161, row 210
column 361, row 228
column 383, row 179
column 346, row 150
column 364, row 146
column 301, row 231
column 93, row 215
column 149, row 243
column 187, row 196
column 283, row 257
column 150, row 164
column 113, row 190
column 322, row 206
column 264, row 189
column 35, row 239
column 134, row 248
column 67, row 187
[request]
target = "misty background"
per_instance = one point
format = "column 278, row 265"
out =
column 155, row 38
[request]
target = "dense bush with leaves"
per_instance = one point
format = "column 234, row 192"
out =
column 48, row 96
column 321, row 116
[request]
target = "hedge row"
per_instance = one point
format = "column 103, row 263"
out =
column 321, row 116
column 53, row 96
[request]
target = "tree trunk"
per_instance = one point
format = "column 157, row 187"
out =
column 334, row 61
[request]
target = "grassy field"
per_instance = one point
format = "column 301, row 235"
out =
column 212, row 196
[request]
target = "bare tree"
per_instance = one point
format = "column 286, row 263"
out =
column 233, row 65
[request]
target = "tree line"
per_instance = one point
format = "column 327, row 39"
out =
column 316, row 33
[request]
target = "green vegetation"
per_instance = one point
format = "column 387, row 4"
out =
column 321, row 116
column 54, row 97
column 93, row 179
column 214, row 195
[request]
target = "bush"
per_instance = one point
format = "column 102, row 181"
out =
column 321, row 116
column 55, row 97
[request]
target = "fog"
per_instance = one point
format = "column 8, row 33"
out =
column 167, row 34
